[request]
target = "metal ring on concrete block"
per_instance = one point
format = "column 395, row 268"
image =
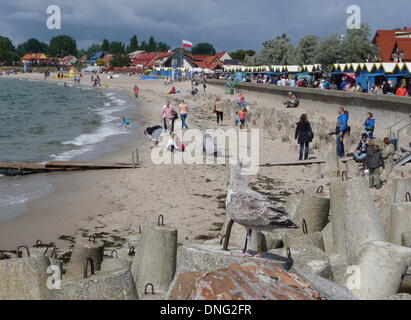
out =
column 53, row 245
column 408, row 197
column 160, row 217
column 301, row 191
column 304, row 225
column 112, row 254
column 152, row 288
column 131, row 251
column 21, row 255
column 89, row 262
column 222, row 239
column 39, row 243
column 320, row 189
column 139, row 229
column 93, row 236
column 344, row 174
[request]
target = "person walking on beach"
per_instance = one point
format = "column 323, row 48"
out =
column 341, row 130
column 183, row 114
column 168, row 114
column 305, row 135
column 204, row 85
column 136, row 91
column 374, row 162
column 369, row 126
column 218, row 110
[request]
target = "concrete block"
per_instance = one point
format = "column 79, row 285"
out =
column 82, row 250
column 155, row 260
column 355, row 220
column 378, row 270
column 25, row 279
column 400, row 221
column 406, row 239
column 328, row 240
column 401, row 187
column 296, row 240
column 309, row 259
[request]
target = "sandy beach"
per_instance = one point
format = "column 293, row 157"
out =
column 191, row 198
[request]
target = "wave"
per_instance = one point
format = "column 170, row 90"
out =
column 100, row 135
column 67, row 155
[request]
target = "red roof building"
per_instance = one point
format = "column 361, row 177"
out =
column 141, row 60
column 38, row 59
column 394, row 44
column 208, row 62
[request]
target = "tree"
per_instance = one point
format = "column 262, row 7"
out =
column 8, row 53
column 133, row 44
column 117, row 48
column 356, row 46
column 120, row 61
column 241, row 54
column 152, row 45
column 278, row 51
column 62, row 45
column 32, row 46
column 329, row 51
column 203, row 48
column 105, row 46
column 307, row 49
column 93, row 49
column 162, row 47
column 144, row 46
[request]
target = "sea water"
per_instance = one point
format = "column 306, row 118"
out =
column 41, row 122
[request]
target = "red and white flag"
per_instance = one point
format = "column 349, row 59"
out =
column 187, row 44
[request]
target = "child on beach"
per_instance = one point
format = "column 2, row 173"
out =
column 136, row 91
column 125, row 122
column 374, row 161
column 241, row 117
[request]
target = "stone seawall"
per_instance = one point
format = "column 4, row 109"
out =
column 349, row 99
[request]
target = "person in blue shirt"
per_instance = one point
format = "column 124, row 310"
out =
column 343, row 84
column 369, row 125
column 341, row 130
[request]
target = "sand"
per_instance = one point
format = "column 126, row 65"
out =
column 191, row 198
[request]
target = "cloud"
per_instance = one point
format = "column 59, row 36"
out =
column 228, row 24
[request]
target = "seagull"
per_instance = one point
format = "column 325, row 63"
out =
column 251, row 209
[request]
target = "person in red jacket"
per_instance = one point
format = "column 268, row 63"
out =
column 402, row 91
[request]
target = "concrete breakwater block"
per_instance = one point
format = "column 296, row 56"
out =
column 400, row 221
column 296, row 240
column 406, row 239
column 328, row 240
column 314, row 209
column 293, row 201
column 378, row 270
column 25, row 279
column 332, row 169
column 402, row 186
column 82, row 250
column 354, row 219
column 155, row 259
column 207, row 258
column 105, row 285
column 309, row 259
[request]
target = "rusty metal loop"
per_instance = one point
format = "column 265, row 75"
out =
column 39, row 243
column 53, row 245
column 289, row 254
column 301, row 191
column 320, row 189
column 89, row 262
column 18, row 251
column 93, row 236
column 152, row 288
column 139, row 229
column 131, row 251
column 304, row 225
column 112, row 254
column 408, row 197
column 160, row 217
column 344, row 173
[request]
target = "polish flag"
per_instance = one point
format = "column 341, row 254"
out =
column 187, row 44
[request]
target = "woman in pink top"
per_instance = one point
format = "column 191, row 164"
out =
column 241, row 116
